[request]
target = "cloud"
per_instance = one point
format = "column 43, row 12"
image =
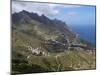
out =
column 72, row 6
column 72, row 13
column 66, row 5
column 40, row 8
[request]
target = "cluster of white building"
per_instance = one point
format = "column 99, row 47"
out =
column 37, row 51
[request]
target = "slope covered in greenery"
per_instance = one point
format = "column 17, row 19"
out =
column 40, row 44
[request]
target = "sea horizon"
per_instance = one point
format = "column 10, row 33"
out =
column 86, row 32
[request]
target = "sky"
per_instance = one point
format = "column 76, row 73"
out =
column 71, row 14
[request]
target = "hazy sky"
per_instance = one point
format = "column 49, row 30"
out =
column 71, row 14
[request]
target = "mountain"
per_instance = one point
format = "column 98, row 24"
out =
column 38, row 37
column 33, row 24
column 56, row 25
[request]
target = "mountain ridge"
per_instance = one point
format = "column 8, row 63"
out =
column 44, row 27
column 40, row 44
column 43, row 19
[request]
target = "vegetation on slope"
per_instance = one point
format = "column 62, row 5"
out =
column 54, row 38
column 65, row 61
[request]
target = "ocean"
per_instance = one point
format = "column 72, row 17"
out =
column 86, row 32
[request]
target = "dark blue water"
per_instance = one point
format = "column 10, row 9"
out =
column 86, row 32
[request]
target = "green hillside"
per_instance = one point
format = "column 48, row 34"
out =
column 40, row 44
